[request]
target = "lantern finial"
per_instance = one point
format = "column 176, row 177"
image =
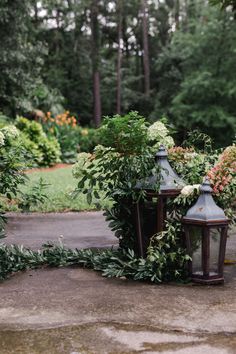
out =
column 206, row 186
column 161, row 153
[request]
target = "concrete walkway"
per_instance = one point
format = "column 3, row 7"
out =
column 57, row 311
column 81, row 230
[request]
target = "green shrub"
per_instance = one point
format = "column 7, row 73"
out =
column 35, row 196
column 127, row 134
column 32, row 152
column 50, row 149
column 4, row 120
column 89, row 138
column 45, row 151
column 12, row 164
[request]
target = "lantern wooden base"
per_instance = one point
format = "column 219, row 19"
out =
column 208, row 281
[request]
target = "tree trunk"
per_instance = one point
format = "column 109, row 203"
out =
column 119, row 57
column 146, row 66
column 95, row 63
column 177, row 8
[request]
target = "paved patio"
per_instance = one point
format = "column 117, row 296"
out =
column 71, row 310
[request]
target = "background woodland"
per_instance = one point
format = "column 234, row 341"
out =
column 168, row 58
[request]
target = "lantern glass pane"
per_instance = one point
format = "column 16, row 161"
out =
column 215, row 235
column 148, row 219
column 195, row 234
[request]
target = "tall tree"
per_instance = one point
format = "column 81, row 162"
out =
column 96, row 62
column 176, row 13
column 18, row 67
column 146, row 65
column 119, row 55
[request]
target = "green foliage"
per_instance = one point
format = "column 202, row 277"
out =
column 88, row 139
column 34, row 196
column 20, row 56
column 4, row 120
column 47, row 99
column 16, row 258
column 224, row 3
column 201, row 65
column 201, row 142
column 116, row 170
column 126, row 134
column 45, row 151
column 111, row 263
column 12, row 164
column 32, row 153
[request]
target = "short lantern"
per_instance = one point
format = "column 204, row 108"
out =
column 206, row 226
column 150, row 214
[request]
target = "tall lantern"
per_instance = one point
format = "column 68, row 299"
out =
column 150, row 214
column 206, row 228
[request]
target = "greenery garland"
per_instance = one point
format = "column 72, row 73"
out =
column 111, row 262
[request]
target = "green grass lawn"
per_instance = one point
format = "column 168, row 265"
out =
column 61, row 185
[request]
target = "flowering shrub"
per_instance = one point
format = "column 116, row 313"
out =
column 63, row 119
column 128, row 156
column 10, row 132
column 71, row 137
column 180, row 154
column 224, row 171
column 223, row 179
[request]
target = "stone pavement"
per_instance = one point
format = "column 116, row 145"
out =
column 81, row 230
column 77, row 311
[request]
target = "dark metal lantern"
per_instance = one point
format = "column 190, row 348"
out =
column 205, row 226
column 150, row 214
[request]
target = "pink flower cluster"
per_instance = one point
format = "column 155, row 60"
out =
column 224, row 171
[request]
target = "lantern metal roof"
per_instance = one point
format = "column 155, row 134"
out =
column 205, row 209
column 169, row 180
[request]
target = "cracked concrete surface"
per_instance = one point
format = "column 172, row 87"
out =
column 76, row 311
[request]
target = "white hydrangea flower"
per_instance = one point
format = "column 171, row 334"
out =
column 189, row 189
column 157, row 130
column 11, row 132
column 168, row 142
column 2, row 139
